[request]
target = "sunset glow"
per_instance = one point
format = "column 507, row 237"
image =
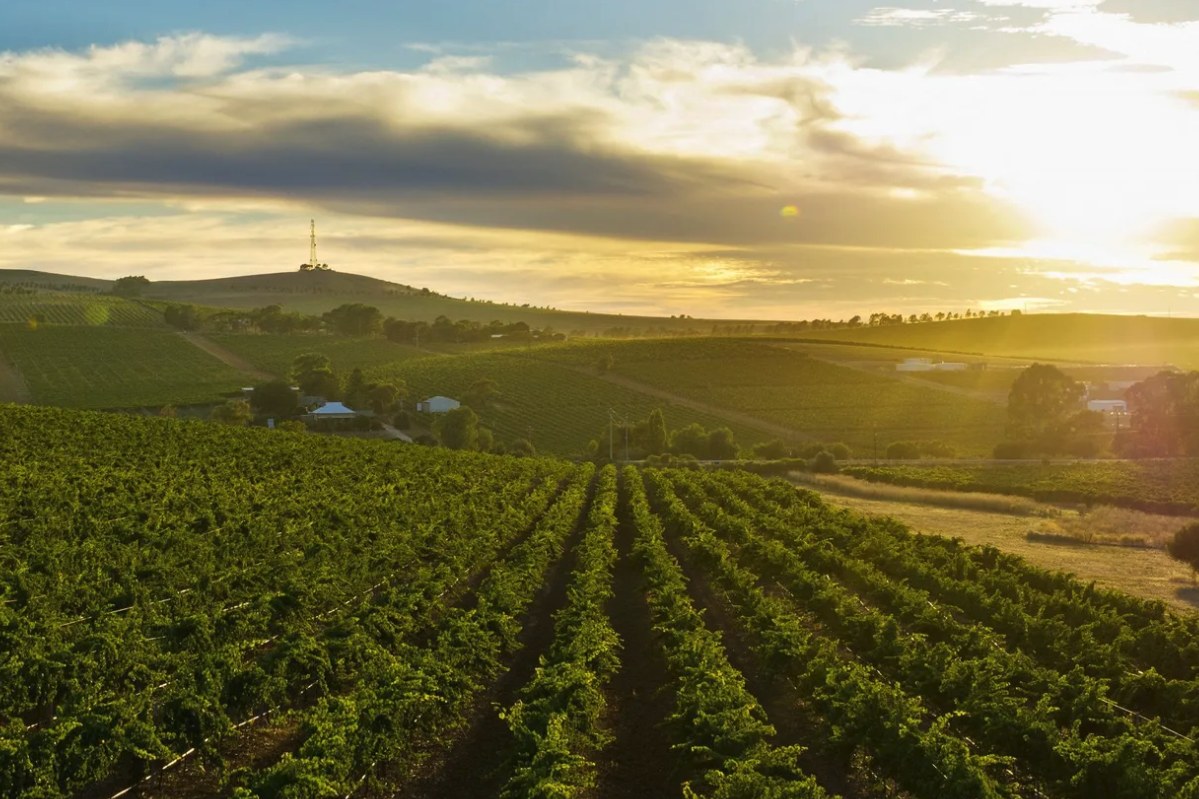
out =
column 855, row 160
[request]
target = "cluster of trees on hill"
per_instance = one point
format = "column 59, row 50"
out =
column 880, row 319
column 1046, row 417
column 350, row 319
column 649, row 437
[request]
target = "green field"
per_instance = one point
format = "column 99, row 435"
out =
column 783, row 385
column 1092, row 338
column 1160, row 485
column 194, row 610
column 76, row 309
column 275, row 352
column 559, row 409
column 114, row 367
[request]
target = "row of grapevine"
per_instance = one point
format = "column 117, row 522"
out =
column 556, row 723
column 722, row 729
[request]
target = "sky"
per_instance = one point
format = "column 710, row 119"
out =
column 781, row 159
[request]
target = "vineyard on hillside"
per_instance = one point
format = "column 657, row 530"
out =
column 783, row 385
column 92, row 310
column 275, row 352
column 193, row 610
column 1156, row 486
column 560, row 410
column 114, row 367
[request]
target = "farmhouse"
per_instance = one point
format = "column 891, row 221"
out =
column 331, row 410
column 437, row 404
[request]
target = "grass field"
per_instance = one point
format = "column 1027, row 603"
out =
column 815, row 398
column 93, row 310
column 113, row 367
column 559, row 409
column 275, row 353
column 1092, row 338
column 1159, row 485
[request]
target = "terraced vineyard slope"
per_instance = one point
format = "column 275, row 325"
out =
column 193, row 610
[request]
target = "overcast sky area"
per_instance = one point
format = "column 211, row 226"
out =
column 727, row 158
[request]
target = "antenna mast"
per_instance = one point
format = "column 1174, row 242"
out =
column 312, row 246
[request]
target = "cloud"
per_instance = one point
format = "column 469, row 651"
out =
column 892, row 17
column 682, row 141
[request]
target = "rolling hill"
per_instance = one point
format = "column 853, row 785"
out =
column 1093, row 338
column 318, row 292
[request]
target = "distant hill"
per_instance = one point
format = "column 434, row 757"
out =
column 1095, row 338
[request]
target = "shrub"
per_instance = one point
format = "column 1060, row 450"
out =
column 1006, row 450
column 903, row 450
column 823, row 463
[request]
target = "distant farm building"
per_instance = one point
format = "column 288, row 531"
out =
column 437, row 405
column 330, row 411
column 1108, row 407
column 927, row 365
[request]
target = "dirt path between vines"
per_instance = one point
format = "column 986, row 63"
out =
column 1140, row 571
column 639, row 761
column 12, row 386
column 478, row 762
column 225, row 356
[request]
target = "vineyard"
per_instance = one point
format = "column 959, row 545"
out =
column 786, row 386
column 91, row 310
column 275, row 352
column 1155, row 486
column 114, row 367
column 560, row 410
column 194, row 610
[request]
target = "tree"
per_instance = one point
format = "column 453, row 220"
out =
column 722, row 444
column 1165, row 416
column 656, row 439
column 772, row 450
column 234, row 412
column 903, row 451
column 355, row 393
column 384, row 397
column 130, row 286
column 275, row 398
column 690, row 440
column 355, row 319
column 313, row 372
column 522, row 448
column 1040, row 406
column 458, row 429
column 1184, row 547
column 183, row 317
column 604, row 363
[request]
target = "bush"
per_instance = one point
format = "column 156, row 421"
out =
column 771, row 450
column 840, row 451
column 823, row 463
column 938, row 449
column 903, row 451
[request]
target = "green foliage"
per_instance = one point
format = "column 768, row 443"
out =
column 1185, row 546
column 130, row 286
column 89, row 310
column 276, row 398
column 655, row 440
column 355, row 319
column 903, row 450
column 234, row 412
column 458, row 429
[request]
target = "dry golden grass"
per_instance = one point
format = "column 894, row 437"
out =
column 1142, row 571
column 885, row 492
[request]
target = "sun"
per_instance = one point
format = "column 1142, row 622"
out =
column 1095, row 158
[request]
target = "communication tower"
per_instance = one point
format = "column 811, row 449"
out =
column 313, row 265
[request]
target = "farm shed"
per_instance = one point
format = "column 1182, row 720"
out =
column 1108, row 406
column 437, row 404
